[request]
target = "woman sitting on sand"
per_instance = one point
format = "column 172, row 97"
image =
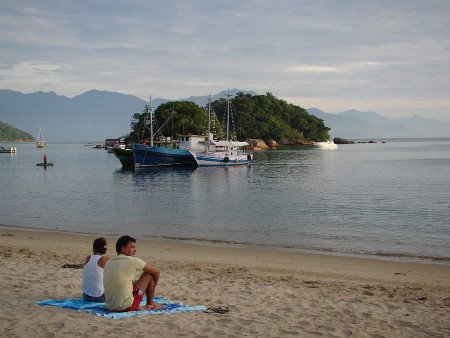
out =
column 93, row 272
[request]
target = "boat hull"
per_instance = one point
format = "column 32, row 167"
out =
column 125, row 157
column 147, row 156
column 11, row 150
column 216, row 159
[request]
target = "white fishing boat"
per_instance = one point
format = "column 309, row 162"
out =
column 223, row 152
column 40, row 142
column 326, row 145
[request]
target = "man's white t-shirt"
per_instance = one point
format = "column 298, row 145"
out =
column 118, row 276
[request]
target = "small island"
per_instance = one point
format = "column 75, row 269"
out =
column 264, row 120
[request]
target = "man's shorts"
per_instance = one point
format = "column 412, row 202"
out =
column 136, row 301
column 88, row 298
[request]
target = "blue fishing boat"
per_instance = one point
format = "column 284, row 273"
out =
column 150, row 155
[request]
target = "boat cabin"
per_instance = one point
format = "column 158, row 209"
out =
column 199, row 143
column 192, row 142
column 111, row 143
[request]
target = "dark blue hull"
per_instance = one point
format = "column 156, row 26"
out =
column 146, row 156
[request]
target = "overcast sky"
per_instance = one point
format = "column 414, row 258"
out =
column 391, row 57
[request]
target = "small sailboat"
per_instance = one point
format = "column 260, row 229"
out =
column 40, row 142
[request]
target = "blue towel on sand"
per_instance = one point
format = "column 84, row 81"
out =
column 99, row 308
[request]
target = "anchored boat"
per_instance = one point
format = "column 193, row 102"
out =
column 40, row 142
column 11, row 150
column 326, row 145
column 151, row 155
column 223, row 152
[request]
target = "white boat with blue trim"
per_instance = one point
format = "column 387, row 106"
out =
column 222, row 152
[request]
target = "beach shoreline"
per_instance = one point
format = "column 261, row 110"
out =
column 251, row 246
column 269, row 292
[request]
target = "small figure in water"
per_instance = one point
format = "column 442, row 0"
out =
column 45, row 159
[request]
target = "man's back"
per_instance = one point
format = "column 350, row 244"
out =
column 118, row 277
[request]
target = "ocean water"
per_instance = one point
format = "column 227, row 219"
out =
column 389, row 199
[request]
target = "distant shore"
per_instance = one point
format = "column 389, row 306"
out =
column 269, row 292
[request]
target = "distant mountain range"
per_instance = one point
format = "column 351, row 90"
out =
column 92, row 116
column 97, row 115
column 361, row 125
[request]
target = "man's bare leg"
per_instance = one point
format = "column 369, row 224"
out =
column 147, row 283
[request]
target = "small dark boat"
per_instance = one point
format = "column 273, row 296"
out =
column 11, row 150
column 42, row 164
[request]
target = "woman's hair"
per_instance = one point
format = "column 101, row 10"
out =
column 99, row 246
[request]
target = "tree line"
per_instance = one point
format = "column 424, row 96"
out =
column 251, row 117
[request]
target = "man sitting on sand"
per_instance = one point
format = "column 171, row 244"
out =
column 122, row 292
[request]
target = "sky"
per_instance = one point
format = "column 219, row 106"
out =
column 391, row 57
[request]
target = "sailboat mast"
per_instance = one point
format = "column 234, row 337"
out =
column 209, row 122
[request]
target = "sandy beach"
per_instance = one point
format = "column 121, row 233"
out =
column 269, row 293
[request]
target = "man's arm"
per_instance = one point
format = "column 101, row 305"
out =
column 153, row 270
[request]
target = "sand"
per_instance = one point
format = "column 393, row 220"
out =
column 269, row 293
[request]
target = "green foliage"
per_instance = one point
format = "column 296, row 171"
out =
column 261, row 116
column 185, row 118
column 266, row 117
column 170, row 119
column 8, row 133
column 137, row 127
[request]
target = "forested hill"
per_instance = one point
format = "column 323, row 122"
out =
column 8, row 133
column 252, row 116
column 267, row 117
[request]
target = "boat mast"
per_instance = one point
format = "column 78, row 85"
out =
column 209, row 122
column 228, row 115
column 151, row 121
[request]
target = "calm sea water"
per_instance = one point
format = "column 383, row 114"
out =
column 389, row 199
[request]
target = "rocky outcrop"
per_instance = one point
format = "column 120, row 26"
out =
column 272, row 143
column 258, row 144
column 339, row 140
column 305, row 142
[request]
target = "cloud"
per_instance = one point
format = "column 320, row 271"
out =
column 332, row 50
column 35, row 68
column 339, row 68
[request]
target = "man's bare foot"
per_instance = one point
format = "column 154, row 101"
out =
column 157, row 306
column 153, row 306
